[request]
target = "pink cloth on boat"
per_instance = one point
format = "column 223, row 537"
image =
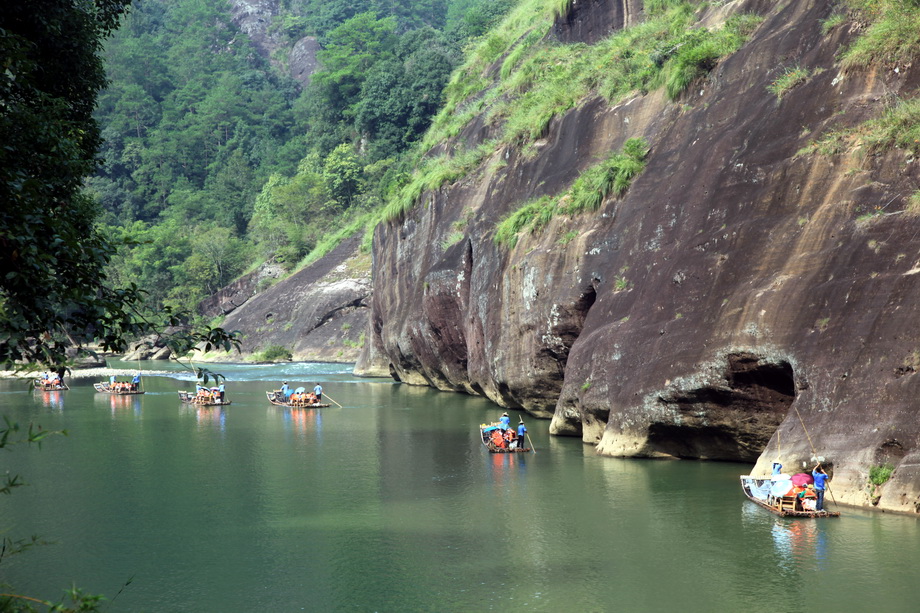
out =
column 802, row 479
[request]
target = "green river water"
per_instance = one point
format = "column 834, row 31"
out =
column 392, row 504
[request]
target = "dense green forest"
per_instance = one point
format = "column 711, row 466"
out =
column 215, row 160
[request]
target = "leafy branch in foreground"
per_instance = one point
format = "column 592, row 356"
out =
column 79, row 602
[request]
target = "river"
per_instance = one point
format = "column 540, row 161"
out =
column 392, row 504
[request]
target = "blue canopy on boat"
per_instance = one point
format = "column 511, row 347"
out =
column 781, row 487
column 761, row 490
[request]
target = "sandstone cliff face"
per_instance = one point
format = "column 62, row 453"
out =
column 318, row 313
column 237, row 293
column 730, row 306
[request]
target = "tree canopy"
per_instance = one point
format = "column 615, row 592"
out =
column 54, row 291
column 51, row 256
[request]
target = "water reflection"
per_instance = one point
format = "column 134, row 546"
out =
column 211, row 416
column 304, row 420
column 800, row 542
column 120, row 404
column 53, row 400
column 507, row 466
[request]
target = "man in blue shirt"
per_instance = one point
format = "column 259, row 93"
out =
column 522, row 432
column 318, row 390
column 505, row 421
column 285, row 390
column 135, row 382
column 820, row 478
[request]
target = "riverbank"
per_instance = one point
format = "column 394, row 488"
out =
column 81, row 373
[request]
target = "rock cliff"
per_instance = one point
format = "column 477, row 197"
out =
column 747, row 299
column 318, row 313
column 255, row 18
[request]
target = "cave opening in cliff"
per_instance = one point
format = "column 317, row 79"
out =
column 732, row 420
column 585, row 302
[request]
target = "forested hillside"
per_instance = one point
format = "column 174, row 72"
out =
column 215, row 159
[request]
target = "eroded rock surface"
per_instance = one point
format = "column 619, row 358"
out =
column 237, row 293
column 319, row 313
column 735, row 304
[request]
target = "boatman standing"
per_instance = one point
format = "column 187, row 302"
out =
column 820, row 478
column 522, row 431
column 136, row 381
column 318, row 390
column 285, row 390
column 505, row 421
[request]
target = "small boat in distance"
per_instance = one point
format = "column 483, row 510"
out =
column 120, row 389
column 782, row 497
column 501, row 440
column 50, row 385
column 210, row 399
column 299, row 399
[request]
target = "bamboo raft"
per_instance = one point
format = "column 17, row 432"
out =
column 44, row 386
column 202, row 400
column 757, row 490
column 105, row 388
column 497, row 440
column 276, row 397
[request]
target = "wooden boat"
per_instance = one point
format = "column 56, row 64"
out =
column 276, row 397
column 760, row 491
column 105, row 388
column 45, row 385
column 497, row 440
column 203, row 401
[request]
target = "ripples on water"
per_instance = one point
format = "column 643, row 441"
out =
column 247, row 372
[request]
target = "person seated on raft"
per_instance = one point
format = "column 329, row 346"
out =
column 300, row 394
column 504, row 421
column 498, row 439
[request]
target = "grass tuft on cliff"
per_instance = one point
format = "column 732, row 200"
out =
column 880, row 475
column 540, row 78
column 897, row 126
column 588, row 192
column 518, row 79
column 892, row 37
